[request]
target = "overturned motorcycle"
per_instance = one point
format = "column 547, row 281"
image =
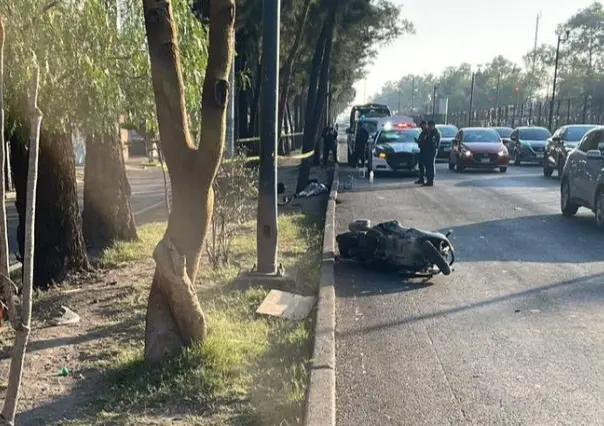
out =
column 412, row 252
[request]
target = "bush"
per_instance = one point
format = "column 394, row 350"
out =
column 235, row 196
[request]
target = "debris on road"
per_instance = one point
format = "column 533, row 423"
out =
column 286, row 305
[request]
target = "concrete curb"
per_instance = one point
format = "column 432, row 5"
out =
column 321, row 393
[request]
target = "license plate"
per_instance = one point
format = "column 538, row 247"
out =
column 446, row 149
column 539, row 155
column 485, row 160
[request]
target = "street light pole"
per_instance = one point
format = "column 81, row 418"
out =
column 412, row 94
column 497, row 99
column 434, row 103
column 551, row 106
column 471, row 100
column 399, row 102
column 266, row 231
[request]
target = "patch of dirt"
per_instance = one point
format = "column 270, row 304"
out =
column 46, row 396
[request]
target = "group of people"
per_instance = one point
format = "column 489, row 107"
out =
column 428, row 142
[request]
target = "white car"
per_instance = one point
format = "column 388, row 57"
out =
column 395, row 148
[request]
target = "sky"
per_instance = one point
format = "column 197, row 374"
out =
column 449, row 32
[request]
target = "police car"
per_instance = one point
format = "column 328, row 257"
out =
column 395, row 148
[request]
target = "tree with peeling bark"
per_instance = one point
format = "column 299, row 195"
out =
column 174, row 316
column 4, row 252
column 22, row 322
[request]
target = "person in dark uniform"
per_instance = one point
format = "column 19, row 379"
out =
column 360, row 144
column 330, row 144
column 432, row 143
column 421, row 142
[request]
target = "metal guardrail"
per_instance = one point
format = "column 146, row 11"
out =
column 302, row 156
column 257, row 138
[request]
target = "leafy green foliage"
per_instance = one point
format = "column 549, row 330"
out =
column 95, row 66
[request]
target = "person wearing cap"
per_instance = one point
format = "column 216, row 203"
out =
column 421, row 142
column 431, row 145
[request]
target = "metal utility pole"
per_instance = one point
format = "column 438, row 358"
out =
column 267, row 232
column 471, row 100
column 412, row 94
column 434, row 103
column 551, row 107
column 230, row 129
column 497, row 98
column 399, row 102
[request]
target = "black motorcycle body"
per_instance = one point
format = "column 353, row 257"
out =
column 411, row 251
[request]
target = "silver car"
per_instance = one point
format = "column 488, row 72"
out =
column 582, row 180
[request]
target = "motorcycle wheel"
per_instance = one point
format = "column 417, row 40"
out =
column 433, row 256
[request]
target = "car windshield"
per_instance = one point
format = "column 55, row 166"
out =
column 504, row 132
column 370, row 126
column 534, row 134
column 447, row 131
column 481, row 135
column 406, row 135
column 576, row 133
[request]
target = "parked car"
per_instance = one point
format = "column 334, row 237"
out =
column 582, row 180
column 395, row 148
column 447, row 134
column 564, row 140
column 478, row 148
column 528, row 144
column 505, row 133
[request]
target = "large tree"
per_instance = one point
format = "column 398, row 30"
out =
column 174, row 316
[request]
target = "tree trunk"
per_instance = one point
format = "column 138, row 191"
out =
column 107, row 214
column 22, row 325
column 174, row 316
column 308, row 140
column 288, row 68
column 315, row 100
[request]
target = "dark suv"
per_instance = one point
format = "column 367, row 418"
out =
column 447, row 134
column 564, row 140
column 528, row 144
column 583, row 177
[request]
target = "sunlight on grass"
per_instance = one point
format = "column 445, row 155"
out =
column 257, row 363
column 122, row 252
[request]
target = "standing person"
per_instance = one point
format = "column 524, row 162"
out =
column 330, row 144
column 421, row 142
column 431, row 149
column 360, row 145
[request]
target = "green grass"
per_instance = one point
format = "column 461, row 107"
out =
column 251, row 370
column 122, row 253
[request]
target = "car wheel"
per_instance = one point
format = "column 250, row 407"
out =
column 547, row 169
column 568, row 208
column 516, row 158
column 503, row 169
column 560, row 168
column 600, row 209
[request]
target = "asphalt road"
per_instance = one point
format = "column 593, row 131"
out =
column 147, row 187
column 514, row 336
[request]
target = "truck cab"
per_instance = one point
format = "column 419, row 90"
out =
column 368, row 116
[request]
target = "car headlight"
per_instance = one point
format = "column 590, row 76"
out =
column 503, row 152
column 380, row 155
column 467, row 153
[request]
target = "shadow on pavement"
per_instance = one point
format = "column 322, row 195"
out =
column 540, row 239
column 518, row 181
column 590, row 288
column 356, row 280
